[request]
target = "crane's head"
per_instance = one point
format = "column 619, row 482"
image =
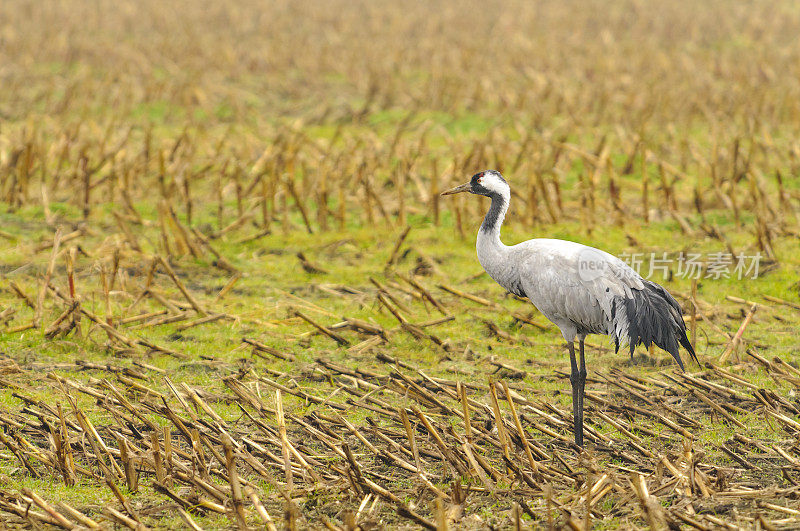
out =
column 489, row 183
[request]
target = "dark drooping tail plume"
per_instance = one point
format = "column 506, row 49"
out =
column 653, row 316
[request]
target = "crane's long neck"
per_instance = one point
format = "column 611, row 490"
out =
column 490, row 228
column 491, row 251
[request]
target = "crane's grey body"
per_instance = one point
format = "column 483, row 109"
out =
column 547, row 272
column 582, row 290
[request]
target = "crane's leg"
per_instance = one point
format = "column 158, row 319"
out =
column 577, row 396
column 581, row 381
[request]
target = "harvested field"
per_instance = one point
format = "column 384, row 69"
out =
column 232, row 296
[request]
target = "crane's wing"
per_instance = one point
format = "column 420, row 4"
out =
column 572, row 282
column 596, row 292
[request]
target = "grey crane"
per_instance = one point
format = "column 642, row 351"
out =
column 582, row 290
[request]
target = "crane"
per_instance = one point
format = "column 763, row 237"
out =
column 582, row 290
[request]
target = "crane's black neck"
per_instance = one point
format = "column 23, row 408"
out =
column 496, row 214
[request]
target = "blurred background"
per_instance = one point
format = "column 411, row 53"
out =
column 564, row 97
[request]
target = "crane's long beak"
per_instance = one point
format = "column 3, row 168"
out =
column 466, row 187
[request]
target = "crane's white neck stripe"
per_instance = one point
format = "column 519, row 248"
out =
column 494, row 183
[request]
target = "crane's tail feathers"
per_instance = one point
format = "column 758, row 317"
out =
column 650, row 316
